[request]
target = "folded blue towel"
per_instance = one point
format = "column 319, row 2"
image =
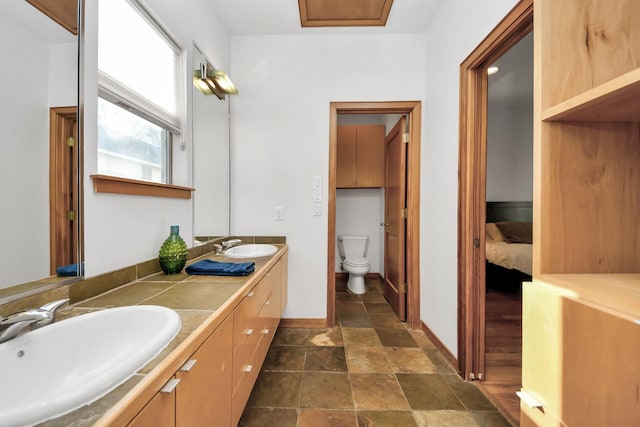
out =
column 215, row 268
column 67, row 270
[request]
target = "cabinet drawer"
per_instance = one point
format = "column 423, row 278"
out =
column 246, row 380
column 246, row 314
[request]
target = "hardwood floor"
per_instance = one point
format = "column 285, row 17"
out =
column 503, row 370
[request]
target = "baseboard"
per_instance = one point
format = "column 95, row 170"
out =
column 453, row 361
column 304, row 323
column 343, row 275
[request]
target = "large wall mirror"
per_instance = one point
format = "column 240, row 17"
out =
column 210, row 161
column 39, row 163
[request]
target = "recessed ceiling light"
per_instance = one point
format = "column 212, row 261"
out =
column 492, row 70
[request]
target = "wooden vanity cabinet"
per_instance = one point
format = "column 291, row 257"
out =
column 214, row 384
column 202, row 397
column 360, row 156
column 199, row 392
column 159, row 412
column 255, row 322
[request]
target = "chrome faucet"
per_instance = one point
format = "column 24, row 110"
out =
column 230, row 243
column 28, row 320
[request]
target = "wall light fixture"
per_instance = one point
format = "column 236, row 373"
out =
column 213, row 82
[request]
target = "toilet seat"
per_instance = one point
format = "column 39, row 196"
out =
column 356, row 261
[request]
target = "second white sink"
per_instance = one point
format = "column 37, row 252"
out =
column 251, row 251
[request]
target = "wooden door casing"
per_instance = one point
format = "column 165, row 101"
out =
column 63, row 187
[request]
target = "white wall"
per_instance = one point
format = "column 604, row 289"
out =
column 280, row 134
column 509, row 152
column 119, row 229
column 456, row 29
column 360, row 211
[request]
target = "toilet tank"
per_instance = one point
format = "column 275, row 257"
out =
column 352, row 245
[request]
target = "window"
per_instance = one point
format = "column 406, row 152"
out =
column 139, row 92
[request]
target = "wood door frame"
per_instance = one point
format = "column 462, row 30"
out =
column 61, row 121
column 413, row 110
column 472, row 185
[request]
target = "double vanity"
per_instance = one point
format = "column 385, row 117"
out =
column 218, row 329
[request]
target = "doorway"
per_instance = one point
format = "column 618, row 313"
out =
column 412, row 110
column 472, row 197
column 64, row 199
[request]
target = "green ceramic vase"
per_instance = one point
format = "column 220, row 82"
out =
column 173, row 252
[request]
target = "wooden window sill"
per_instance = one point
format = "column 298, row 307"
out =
column 112, row 184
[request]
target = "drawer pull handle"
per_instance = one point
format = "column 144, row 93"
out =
column 248, row 332
column 265, row 331
column 528, row 399
column 188, row 365
column 250, row 294
column 247, row 368
column 170, row 386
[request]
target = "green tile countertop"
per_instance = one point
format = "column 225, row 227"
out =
column 202, row 302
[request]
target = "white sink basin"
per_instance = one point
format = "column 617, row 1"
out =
column 68, row 364
column 251, row 251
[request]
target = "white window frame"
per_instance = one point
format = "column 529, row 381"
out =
column 119, row 94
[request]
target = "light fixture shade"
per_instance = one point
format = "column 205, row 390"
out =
column 225, row 82
column 210, row 81
column 492, row 70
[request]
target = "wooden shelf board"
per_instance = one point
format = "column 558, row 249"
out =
column 617, row 293
column 614, row 101
column 116, row 185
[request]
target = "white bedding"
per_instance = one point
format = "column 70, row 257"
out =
column 510, row 255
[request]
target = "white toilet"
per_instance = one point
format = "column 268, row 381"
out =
column 353, row 251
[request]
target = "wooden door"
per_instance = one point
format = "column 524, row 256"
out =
column 63, row 187
column 394, row 212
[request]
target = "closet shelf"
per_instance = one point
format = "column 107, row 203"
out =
column 613, row 101
column 611, row 292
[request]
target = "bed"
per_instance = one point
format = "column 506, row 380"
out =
column 508, row 246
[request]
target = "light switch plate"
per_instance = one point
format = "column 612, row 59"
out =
column 317, row 195
column 278, row 213
column 317, row 182
column 317, row 209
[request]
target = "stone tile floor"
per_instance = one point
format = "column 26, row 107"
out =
column 369, row 370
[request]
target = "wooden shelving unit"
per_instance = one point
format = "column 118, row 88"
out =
column 617, row 100
column 581, row 314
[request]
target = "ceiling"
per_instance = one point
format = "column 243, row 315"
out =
column 513, row 84
column 19, row 11
column 259, row 17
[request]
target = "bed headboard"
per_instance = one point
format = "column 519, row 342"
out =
column 510, row 211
